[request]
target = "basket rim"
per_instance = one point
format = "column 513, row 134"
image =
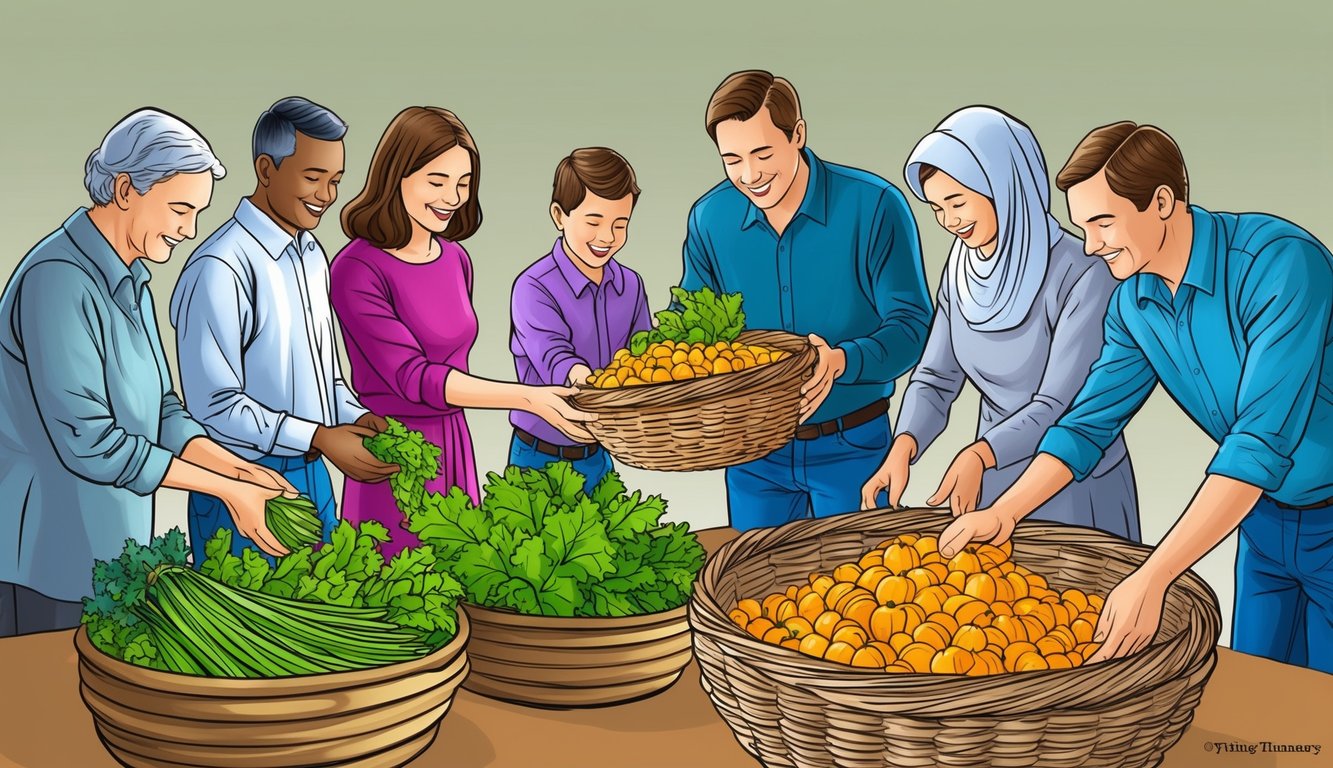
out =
column 244, row 687
column 585, row 396
column 846, row 684
column 576, row 623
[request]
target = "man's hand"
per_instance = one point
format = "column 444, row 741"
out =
column 892, row 475
column 344, row 446
column 247, row 503
column 1131, row 616
column 830, row 364
column 372, row 422
column 262, row 476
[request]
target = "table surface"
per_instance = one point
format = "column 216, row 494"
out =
column 1249, row 700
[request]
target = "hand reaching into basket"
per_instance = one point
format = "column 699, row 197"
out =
column 892, row 475
column 961, row 485
column 1130, row 618
column 830, row 363
column 549, row 404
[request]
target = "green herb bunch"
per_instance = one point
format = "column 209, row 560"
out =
column 701, row 316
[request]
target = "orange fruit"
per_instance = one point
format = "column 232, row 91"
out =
column 872, row 558
column 922, row 578
column 791, row 643
column 981, row 586
column 799, row 627
column 770, row 605
column 899, row 668
column 1035, row 627
column 945, row 620
column 925, row 545
column 1013, row 651
column 860, row 611
column 952, row 661
column 1066, row 636
column 869, row 658
column 854, row 636
column 785, row 610
column 814, row 645
column 1082, row 630
column 1077, row 597
column 792, row 594
column 805, row 589
column 839, row 652
column 966, row 561
column 1025, row 606
column 1049, row 646
column 900, row 640
column 847, row 572
column 776, row 635
column 821, row 583
column 1096, row 602
column 870, row 577
column 1002, row 609
column 932, row 634
column 937, row 569
column 884, row 649
column 1012, row 628
column 758, row 627
column 837, row 592
column 918, row 656
column 995, row 637
column 825, row 623
column 992, row 553
column 931, row 598
column 1059, row 661
column 854, row 594
column 1018, row 586
column 810, row 607
column 970, row 637
column 751, row 608
column 965, row 608
column 901, row 558
column 1075, row 658
column 895, row 589
column 741, row 618
column 990, row 662
column 1030, row 662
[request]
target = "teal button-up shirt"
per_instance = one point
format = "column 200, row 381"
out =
column 88, row 419
column 1244, row 347
column 848, row 268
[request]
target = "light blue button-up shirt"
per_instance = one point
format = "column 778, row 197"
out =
column 847, row 267
column 88, row 419
column 1244, row 346
column 256, row 341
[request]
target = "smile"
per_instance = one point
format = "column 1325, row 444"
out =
column 1110, row 257
column 315, row 209
column 440, row 213
column 170, row 243
column 966, row 231
column 599, row 252
column 760, row 191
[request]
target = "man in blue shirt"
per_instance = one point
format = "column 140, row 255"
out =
column 255, row 332
column 1231, row 314
column 818, row 249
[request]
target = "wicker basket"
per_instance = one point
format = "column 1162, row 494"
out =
column 708, row 423
column 787, row 709
column 385, row 716
column 555, row 662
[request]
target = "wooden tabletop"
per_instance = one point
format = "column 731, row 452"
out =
column 1248, row 701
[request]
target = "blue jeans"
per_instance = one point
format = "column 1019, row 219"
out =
column 208, row 514
column 804, row 478
column 1284, row 586
column 593, row 468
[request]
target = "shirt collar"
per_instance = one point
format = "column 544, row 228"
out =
column 117, row 277
column 271, row 237
column 1201, row 270
column 612, row 274
column 815, row 204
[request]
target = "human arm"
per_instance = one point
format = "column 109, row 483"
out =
column 245, row 501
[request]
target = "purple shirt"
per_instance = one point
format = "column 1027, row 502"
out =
column 561, row 318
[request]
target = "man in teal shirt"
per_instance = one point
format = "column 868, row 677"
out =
column 1231, row 314
column 818, row 249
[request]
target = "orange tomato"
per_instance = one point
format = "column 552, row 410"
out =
column 811, row 606
column 901, row 558
column 970, row 637
column 874, row 557
column 758, row 627
column 751, row 608
column 895, row 589
column 1030, row 662
column 839, row 652
column 848, row 572
column 825, row 623
column 814, row 645
column 918, row 656
column 932, row 634
column 869, row 658
column 871, row 576
column 952, row 661
column 799, row 627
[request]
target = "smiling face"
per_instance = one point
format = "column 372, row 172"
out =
column 301, row 189
column 963, row 212
column 596, row 229
column 166, row 214
column 759, row 158
column 1126, row 238
column 435, row 192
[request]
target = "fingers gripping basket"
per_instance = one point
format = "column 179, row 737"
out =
column 707, row 423
column 788, row 709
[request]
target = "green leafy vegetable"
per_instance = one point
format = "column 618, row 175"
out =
column 295, row 522
column 700, row 316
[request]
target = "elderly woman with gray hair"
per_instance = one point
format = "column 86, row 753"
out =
column 89, row 424
column 1020, row 314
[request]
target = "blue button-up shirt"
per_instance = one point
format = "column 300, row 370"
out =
column 88, row 419
column 847, row 267
column 1244, row 346
column 256, row 341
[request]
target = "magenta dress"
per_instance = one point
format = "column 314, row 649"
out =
column 406, row 327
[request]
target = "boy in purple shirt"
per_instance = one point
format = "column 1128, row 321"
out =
column 576, row 306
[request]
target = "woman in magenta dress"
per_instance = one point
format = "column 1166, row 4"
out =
column 402, row 289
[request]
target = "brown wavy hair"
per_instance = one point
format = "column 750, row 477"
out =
column 1138, row 160
column 416, row 136
column 601, row 171
column 743, row 94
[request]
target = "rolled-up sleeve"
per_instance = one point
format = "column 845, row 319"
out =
column 541, row 333
column 1284, row 302
column 893, row 276
column 1075, row 342
column 65, row 355
column 1119, row 383
column 935, row 383
column 371, row 325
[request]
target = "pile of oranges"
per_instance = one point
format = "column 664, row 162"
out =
column 677, row 361
column 903, row 608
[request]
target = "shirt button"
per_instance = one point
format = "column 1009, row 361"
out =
column 1196, row 371
column 1182, row 323
column 786, row 289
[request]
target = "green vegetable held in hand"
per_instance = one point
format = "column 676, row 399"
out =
column 295, row 522
column 418, row 462
column 699, row 317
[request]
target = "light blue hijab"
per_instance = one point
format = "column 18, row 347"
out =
column 995, row 155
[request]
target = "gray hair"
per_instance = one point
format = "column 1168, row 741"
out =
column 150, row 146
column 276, row 129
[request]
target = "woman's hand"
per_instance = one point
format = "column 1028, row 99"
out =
column 892, row 475
column 549, row 404
column 246, row 502
column 990, row 525
column 961, row 485
column 262, row 476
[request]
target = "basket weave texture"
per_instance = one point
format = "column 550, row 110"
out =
column 707, row 423
column 788, row 709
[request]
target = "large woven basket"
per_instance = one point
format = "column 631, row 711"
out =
column 787, row 709
column 708, row 423
column 558, row 663
column 381, row 717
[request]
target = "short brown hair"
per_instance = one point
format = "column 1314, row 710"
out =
column 598, row 170
column 416, row 136
column 1138, row 159
column 743, row 94
column 926, row 172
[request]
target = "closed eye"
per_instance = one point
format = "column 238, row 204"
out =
column 436, row 184
column 765, row 157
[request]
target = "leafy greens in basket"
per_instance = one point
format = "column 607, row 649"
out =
column 702, row 317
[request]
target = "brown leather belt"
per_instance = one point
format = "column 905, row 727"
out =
column 847, row 421
column 1325, row 504
column 566, row 452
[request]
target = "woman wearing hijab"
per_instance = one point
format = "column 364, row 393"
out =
column 1019, row 315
